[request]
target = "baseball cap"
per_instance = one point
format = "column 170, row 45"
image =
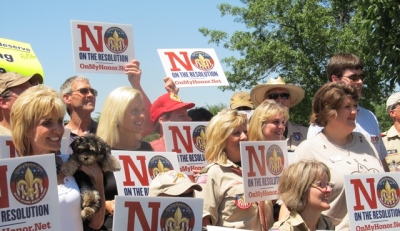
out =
column 392, row 100
column 258, row 92
column 13, row 79
column 241, row 99
column 172, row 183
column 167, row 103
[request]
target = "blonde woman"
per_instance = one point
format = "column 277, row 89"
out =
column 121, row 126
column 268, row 121
column 222, row 180
column 305, row 189
column 37, row 127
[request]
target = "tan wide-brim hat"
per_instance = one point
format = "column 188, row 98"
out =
column 258, row 92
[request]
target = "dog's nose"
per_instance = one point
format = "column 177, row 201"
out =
column 86, row 158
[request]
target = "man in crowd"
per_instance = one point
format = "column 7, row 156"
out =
column 12, row 85
column 289, row 96
column 348, row 68
column 168, row 107
column 391, row 138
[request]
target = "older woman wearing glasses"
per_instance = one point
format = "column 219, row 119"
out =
column 345, row 152
column 305, row 189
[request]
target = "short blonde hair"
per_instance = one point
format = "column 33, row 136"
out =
column 32, row 105
column 113, row 112
column 296, row 180
column 217, row 132
column 263, row 113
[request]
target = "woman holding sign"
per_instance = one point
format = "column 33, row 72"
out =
column 222, row 180
column 305, row 189
column 120, row 126
column 37, row 128
column 344, row 151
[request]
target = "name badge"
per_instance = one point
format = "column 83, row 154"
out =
column 336, row 158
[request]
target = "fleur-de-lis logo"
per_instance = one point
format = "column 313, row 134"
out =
column 275, row 159
column 115, row 42
column 28, row 185
column 388, row 192
column 201, row 141
column 178, row 222
column 202, row 60
column 160, row 168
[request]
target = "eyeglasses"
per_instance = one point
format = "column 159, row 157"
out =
column 276, row 96
column 323, row 185
column 85, row 91
column 355, row 77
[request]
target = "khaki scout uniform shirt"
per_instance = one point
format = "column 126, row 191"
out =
column 294, row 222
column 296, row 134
column 391, row 140
column 224, row 202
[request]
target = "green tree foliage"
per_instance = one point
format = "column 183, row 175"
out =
column 214, row 109
column 295, row 39
column 381, row 18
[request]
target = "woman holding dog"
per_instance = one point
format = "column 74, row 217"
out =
column 37, row 128
column 120, row 126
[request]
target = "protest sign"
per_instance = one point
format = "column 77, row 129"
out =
column 28, row 193
column 101, row 47
column 262, row 166
column 193, row 67
column 139, row 168
column 188, row 141
column 373, row 201
column 18, row 57
column 157, row 213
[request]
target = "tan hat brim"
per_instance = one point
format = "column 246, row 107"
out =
column 180, row 188
column 241, row 104
column 258, row 92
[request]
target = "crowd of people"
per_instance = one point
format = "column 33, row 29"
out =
column 343, row 138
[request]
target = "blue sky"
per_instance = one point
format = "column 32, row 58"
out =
column 45, row 25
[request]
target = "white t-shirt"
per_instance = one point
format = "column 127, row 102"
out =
column 70, row 203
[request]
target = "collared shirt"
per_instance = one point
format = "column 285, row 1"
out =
column 224, row 200
column 296, row 134
column 367, row 124
column 294, row 222
column 5, row 131
column 391, row 139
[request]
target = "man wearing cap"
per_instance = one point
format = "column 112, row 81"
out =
column 391, row 138
column 348, row 68
column 172, row 184
column 168, row 107
column 288, row 95
column 12, row 85
column 241, row 101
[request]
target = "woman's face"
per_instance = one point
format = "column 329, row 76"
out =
column 346, row 116
column 47, row 134
column 319, row 195
column 274, row 128
column 232, row 145
column 133, row 120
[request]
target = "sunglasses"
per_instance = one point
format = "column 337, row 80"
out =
column 277, row 95
column 85, row 91
column 354, row 78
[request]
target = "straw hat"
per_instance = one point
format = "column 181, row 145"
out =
column 258, row 92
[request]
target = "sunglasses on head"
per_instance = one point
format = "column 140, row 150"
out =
column 85, row 91
column 277, row 95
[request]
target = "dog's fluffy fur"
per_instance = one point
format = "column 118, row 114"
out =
column 87, row 150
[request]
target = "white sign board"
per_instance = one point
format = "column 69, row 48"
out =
column 373, row 201
column 28, row 194
column 188, row 140
column 101, row 47
column 193, row 67
column 158, row 213
column 262, row 165
column 139, row 168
